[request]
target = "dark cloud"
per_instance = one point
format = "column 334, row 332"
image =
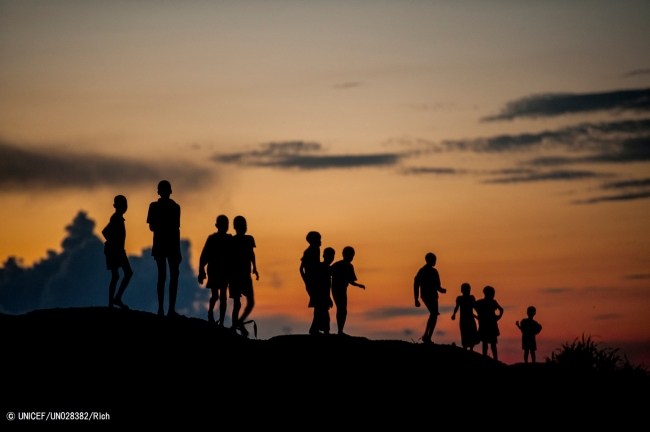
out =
column 626, row 151
column 305, row 156
column 22, row 169
column 559, row 175
column 77, row 277
column 431, row 170
column 550, row 105
column 348, row 85
column 561, row 290
column 621, row 197
column 638, row 276
column 586, row 136
column 608, row 316
column 395, row 312
column 639, row 183
column 636, row 72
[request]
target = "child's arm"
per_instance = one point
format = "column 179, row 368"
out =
column 202, row 262
column 416, row 291
column 500, row 311
column 442, row 290
column 453, row 316
column 257, row 275
column 518, row 326
column 358, row 285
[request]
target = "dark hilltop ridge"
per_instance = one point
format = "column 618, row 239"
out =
column 141, row 367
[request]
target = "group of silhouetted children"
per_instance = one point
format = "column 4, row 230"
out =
column 228, row 258
column 488, row 312
column 322, row 278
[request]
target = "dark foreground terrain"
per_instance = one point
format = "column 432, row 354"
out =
column 141, row 368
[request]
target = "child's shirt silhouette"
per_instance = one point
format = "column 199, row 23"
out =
column 468, row 331
column 320, row 297
column 488, row 329
column 342, row 275
column 164, row 217
column 428, row 280
column 115, row 235
column 529, row 329
column 311, row 262
column 242, row 254
column 217, row 255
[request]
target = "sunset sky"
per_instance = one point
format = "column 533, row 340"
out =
column 511, row 139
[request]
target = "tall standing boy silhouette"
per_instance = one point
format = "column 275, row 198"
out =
column 310, row 271
column 529, row 329
column 427, row 286
column 164, row 219
column 115, row 235
column 216, row 255
column 241, row 283
column 342, row 276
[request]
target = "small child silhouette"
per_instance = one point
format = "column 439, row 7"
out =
column 488, row 329
column 216, row 255
column 468, row 332
column 427, row 286
column 342, row 276
column 529, row 329
column 115, row 235
column 241, row 283
column 309, row 271
column 321, row 300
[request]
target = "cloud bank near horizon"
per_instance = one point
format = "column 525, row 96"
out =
column 32, row 169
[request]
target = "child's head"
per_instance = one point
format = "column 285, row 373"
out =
column 531, row 311
column 164, row 189
column 239, row 223
column 328, row 255
column 465, row 288
column 222, row 223
column 313, row 238
column 348, row 253
column 430, row 259
column 120, row 204
column 489, row 292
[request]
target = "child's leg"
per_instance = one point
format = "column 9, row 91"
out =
column 223, row 304
column 161, row 262
column 431, row 325
column 495, row 354
column 314, row 323
column 213, row 300
column 174, row 271
column 532, row 355
column 125, row 281
column 111, row 288
column 250, row 302
column 325, row 321
column 341, row 312
column 235, row 311
column 526, row 356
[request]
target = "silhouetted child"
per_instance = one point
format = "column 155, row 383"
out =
column 309, row 271
column 216, row 255
column 468, row 331
column 529, row 329
column 342, row 276
column 427, row 286
column 321, row 300
column 164, row 219
column 488, row 329
column 115, row 235
column 241, row 283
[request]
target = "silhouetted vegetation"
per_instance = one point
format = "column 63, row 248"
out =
column 584, row 354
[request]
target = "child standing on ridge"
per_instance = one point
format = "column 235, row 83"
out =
column 488, row 329
column 241, row 283
column 427, row 286
column 342, row 276
column 322, row 301
column 216, row 255
column 468, row 332
column 309, row 271
column 115, row 235
column 529, row 329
